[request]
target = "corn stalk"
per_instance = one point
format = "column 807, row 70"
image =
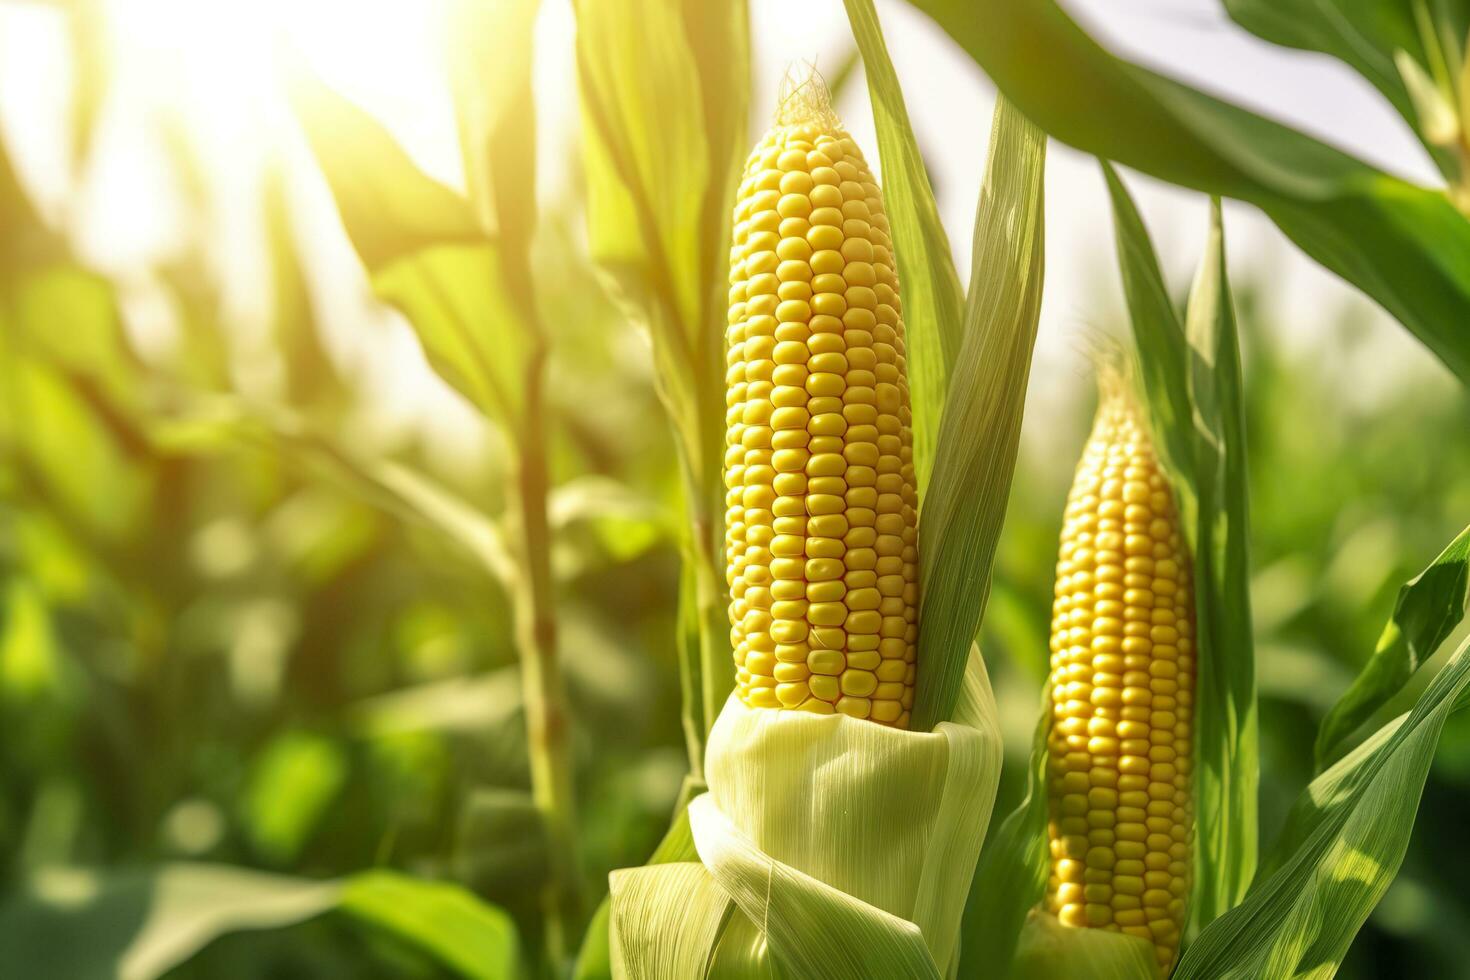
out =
column 547, row 719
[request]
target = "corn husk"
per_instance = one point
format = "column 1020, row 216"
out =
column 829, row 847
column 1047, row 949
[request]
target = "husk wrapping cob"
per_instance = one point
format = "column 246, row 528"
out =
column 827, row 845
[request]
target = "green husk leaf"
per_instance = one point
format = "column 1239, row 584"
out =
column 1405, row 246
column 932, row 296
column 978, row 437
column 811, row 929
column 1191, row 375
column 595, row 960
column 798, row 807
column 1048, row 950
column 1428, row 608
column 666, row 920
column 1227, row 753
column 1010, row 878
column 1342, row 846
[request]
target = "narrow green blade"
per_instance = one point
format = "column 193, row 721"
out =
column 932, row 297
column 1011, row 876
column 1227, row 739
column 1191, row 376
column 1342, row 846
column 1429, row 607
column 980, row 432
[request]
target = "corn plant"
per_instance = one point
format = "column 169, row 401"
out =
column 843, row 427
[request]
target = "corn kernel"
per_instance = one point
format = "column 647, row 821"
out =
column 1120, row 675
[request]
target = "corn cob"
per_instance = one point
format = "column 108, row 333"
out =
column 1122, row 692
column 821, row 507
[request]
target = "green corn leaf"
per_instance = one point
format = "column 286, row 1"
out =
column 661, row 172
column 490, row 65
column 932, row 297
column 693, row 706
column 1191, row 375
column 1439, row 123
column 94, row 350
column 1011, row 877
column 463, row 934
column 1342, row 846
column 32, row 658
column 500, row 843
column 490, row 47
column 67, row 441
column 594, row 962
column 1365, row 36
column 390, row 209
column 141, row 924
column 477, row 705
column 980, row 431
column 71, row 399
column 426, row 254
column 87, row 27
column 1428, row 608
column 1404, row 246
column 664, row 87
column 1225, row 717
column 311, row 377
column 292, row 782
column 224, row 422
column 202, row 356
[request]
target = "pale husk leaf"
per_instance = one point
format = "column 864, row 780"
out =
column 846, row 846
column 1047, row 950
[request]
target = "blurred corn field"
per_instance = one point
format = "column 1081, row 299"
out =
column 273, row 566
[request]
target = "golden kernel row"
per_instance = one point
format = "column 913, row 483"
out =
column 821, row 510
column 1122, row 695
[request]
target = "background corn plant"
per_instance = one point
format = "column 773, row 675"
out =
column 280, row 684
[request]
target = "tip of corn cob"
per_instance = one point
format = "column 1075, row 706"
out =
column 1115, row 383
column 805, row 100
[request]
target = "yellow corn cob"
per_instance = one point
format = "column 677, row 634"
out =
column 1122, row 692
column 821, row 508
